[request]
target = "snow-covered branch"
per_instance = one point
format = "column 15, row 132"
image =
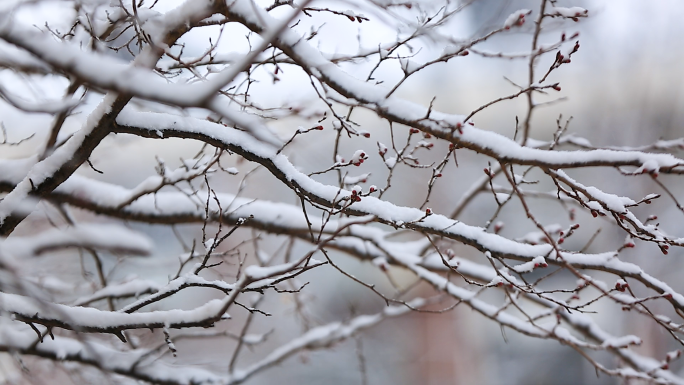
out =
column 268, row 202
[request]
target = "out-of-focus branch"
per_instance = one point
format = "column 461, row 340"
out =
column 49, row 173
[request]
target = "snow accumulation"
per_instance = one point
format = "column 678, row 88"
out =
column 90, row 319
column 516, row 18
column 95, row 236
column 131, row 288
column 151, row 200
column 570, row 12
column 401, row 110
column 621, row 342
column 611, row 201
column 22, row 337
column 384, row 211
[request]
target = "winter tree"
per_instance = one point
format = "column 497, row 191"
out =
column 294, row 147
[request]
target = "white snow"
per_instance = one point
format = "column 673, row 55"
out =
column 568, row 12
column 516, row 18
column 95, row 236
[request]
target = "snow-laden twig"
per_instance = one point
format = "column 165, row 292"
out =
column 134, row 364
column 322, row 337
column 384, row 211
column 95, row 236
column 441, row 125
column 47, row 174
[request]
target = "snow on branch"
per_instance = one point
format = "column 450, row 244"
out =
column 323, row 337
column 90, row 320
column 135, row 364
column 527, row 258
column 94, row 236
column 385, row 212
column 330, row 196
column 132, row 288
column 48, row 173
column 452, row 128
column 240, row 143
column 110, row 74
column 162, row 207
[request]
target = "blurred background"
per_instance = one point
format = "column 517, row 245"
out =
column 623, row 88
